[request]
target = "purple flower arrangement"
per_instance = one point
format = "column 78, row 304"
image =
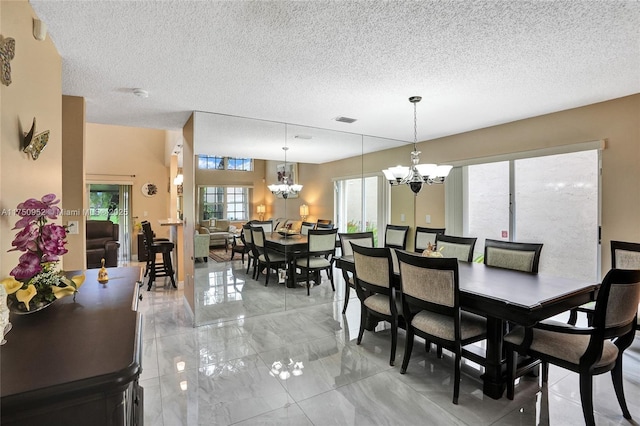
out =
column 36, row 282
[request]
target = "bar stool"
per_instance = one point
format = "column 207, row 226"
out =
column 154, row 247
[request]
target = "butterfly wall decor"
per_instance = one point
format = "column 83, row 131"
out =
column 35, row 144
column 7, row 52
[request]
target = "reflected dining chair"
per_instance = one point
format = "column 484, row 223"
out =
column 374, row 285
column 240, row 245
column 364, row 239
column 431, row 307
column 266, row 225
column 319, row 256
column 624, row 255
column 265, row 258
column 426, row 236
column 459, row 247
column 523, row 257
column 587, row 351
column 306, row 226
column 324, row 222
column 252, row 260
column 395, row 236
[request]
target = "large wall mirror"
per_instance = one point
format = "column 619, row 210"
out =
column 234, row 161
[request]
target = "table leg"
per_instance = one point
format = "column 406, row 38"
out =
column 494, row 383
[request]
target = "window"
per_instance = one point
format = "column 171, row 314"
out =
column 244, row 164
column 224, row 202
column 210, row 162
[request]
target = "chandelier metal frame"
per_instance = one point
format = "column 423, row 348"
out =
column 417, row 174
column 284, row 188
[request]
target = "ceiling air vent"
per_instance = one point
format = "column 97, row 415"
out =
column 345, row 119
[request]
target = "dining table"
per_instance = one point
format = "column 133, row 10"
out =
column 504, row 295
column 292, row 246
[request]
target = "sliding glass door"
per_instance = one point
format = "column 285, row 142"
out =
column 358, row 204
column 549, row 199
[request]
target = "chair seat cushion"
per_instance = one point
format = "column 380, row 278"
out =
column 273, row 258
column 378, row 303
column 442, row 326
column 564, row 346
column 314, row 263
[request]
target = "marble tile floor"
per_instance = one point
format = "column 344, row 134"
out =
column 273, row 356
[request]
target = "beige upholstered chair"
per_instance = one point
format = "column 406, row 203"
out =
column 201, row 246
column 586, row 351
column 322, row 248
column 523, row 257
column 431, row 308
column 426, row 236
column 364, row 239
column 374, row 285
column 624, row 255
column 395, row 236
column 460, row 248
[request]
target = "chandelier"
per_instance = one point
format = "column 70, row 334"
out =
column 286, row 186
column 417, row 173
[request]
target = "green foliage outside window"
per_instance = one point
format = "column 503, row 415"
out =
column 354, row 226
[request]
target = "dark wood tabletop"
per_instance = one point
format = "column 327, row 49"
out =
column 507, row 295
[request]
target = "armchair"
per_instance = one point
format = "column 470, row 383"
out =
column 102, row 243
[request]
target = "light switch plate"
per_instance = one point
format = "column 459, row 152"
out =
column 427, row 218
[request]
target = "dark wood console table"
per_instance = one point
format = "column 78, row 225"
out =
column 77, row 363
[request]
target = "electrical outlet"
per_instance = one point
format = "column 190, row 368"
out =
column 72, row 227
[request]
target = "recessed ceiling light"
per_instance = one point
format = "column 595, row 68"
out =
column 141, row 93
column 345, row 119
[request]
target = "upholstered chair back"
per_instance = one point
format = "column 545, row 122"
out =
column 426, row 236
column 364, row 239
column 373, row 265
column 433, row 282
column 512, row 255
column 460, row 248
column 322, row 240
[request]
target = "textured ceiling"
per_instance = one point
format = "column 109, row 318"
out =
column 475, row 64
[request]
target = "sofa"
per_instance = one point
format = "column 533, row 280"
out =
column 220, row 231
column 102, row 243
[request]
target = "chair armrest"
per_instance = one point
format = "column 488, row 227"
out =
column 562, row 327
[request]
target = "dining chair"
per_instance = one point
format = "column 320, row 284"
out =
column 374, row 285
column 322, row 248
column 459, row 247
column 364, row 239
column 430, row 290
column 426, row 236
column 324, row 222
column 523, row 257
column 267, row 225
column 265, row 258
column 395, row 236
column 306, row 226
column 624, row 255
column 239, row 245
column 252, row 259
column 587, row 351
column 324, row 226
